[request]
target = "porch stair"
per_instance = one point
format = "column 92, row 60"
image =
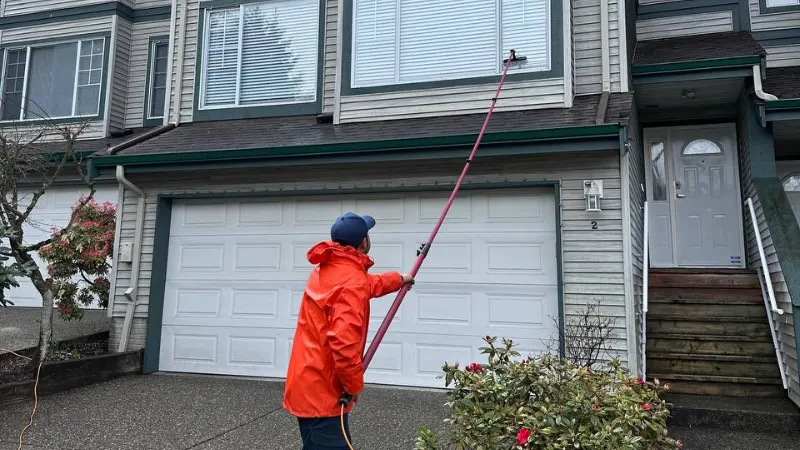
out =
column 707, row 334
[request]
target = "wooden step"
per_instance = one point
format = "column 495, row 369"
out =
column 767, row 359
column 763, row 368
column 750, row 330
column 724, row 389
column 725, row 296
column 753, row 312
column 744, row 280
column 709, row 344
column 676, row 377
column 700, row 317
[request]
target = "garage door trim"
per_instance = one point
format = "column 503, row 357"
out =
column 162, row 232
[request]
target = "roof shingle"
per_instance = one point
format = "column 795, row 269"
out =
column 276, row 132
column 731, row 44
column 783, row 82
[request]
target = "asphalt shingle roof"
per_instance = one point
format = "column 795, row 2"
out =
column 95, row 145
column 276, row 132
column 732, row 44
column 783, row 82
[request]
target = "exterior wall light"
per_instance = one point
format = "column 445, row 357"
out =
column 593, row 191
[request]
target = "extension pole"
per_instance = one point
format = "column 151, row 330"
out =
column 423, row 251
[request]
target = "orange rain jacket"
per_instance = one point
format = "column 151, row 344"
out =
column 331, row 334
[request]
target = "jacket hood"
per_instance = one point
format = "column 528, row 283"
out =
column 329, row 251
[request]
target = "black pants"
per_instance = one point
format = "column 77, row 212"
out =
column 324, row 433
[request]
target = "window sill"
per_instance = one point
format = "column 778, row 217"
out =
column 256, row 112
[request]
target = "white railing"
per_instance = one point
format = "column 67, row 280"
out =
column 765, row 280
column 645, row 282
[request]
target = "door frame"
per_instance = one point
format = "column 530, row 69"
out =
column 653, row 133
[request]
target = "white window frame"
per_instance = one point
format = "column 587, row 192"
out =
column 796, row 4
column 499, row 65
column 204, row 65
column 28, row 48
column 152, row 66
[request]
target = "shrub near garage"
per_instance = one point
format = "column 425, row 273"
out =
column 546, row 403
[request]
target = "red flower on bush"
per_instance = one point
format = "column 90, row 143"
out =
column 474, row 368
column 646, row 406
column 523, row 436
column 640, row 381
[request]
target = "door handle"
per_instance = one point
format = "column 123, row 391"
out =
column 678, row 186
column 680, row 195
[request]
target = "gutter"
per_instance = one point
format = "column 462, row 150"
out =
column 759, row 88
column 132, row 293
column 141, row 138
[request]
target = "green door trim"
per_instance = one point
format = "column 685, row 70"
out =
column 163, row 221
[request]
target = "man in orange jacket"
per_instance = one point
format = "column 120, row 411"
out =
column 326, row 359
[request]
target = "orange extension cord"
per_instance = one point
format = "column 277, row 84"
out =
column 344, row 433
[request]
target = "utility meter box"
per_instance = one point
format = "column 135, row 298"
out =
column 126, row 252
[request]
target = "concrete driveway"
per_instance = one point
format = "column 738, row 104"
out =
column 167, row 412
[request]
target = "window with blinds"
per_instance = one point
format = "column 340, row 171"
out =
column 782, row 3
column 411, row 41
column 261, row 54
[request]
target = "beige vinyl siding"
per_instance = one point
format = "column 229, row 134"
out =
column 16, row 7
column 119, row 85
column 636, row 179
column 772, row 21
column 467, row 99
column 786, row 335
column 684, row 25
column 137, row 76
column 66, row 30
column 593, row 260
column 141, row 4
column 587, row 46
column 783, row 56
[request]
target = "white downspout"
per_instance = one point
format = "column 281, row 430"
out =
column 604, row 46
column 132, row 293
column 758, row 86
column 170, row 60
column 181, row 55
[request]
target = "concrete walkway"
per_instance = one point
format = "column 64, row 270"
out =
column 19, row 326
column 170, row 412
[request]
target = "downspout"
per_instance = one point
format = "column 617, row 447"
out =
column 759, row 88
column 131, row 294
column 181, row 55
column 170, row 60
column 605, row 52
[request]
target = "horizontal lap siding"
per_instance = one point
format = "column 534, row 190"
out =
column 592, row 259
column 783, row 56
column 141, row 4
column 137, row 78
column 329, row 80
column 119, row 85
column 684, row 25
column 72, row 29
column 587, row 46
column 772, row 21
column 459, row 100
column 786, row 334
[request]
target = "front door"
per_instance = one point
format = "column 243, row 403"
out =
column 693, row 191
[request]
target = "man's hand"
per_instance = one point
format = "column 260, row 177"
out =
column 408, row 279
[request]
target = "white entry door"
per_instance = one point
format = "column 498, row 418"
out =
column 237, row 269
column 694, row 195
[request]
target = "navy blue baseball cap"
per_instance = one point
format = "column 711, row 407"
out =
column 351, row 229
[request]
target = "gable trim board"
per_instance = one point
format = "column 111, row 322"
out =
column 778, row 110
column 705, row 64
column 518, row 137
column 740, row 12
column 162, row 238
column 251, row 112
column 84, row 12
column 556, row 49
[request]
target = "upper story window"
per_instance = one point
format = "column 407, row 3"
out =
column 261, row 54
column 781, row 3
column 411, row 41
column 52, row 81
column 157, row 79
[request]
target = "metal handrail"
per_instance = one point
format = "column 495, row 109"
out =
column 764, row 268
column 645, row 283
column 768, row 294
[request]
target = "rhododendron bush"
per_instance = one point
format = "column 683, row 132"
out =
column 548, row 403
column 78, row 258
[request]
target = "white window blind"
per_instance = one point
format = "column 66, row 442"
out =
column 408, row 41
column 53, row 81
column 778, row 3
column 262, row 54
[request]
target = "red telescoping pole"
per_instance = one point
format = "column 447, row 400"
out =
column 423, row 252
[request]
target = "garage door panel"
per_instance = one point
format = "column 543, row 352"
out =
column 241, row 267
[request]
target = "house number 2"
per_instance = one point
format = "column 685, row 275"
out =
column 594, row 224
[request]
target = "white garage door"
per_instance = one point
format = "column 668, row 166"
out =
column 53, row 209
column 237, row 269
